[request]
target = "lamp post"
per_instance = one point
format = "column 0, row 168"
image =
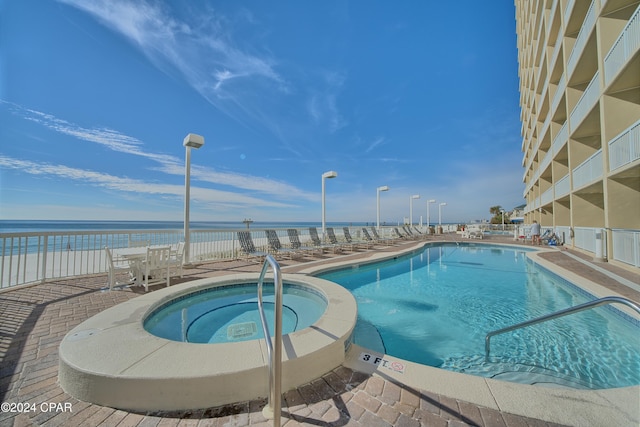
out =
column 378, row 190
column 428, row 213
column 415, row 196
column 502, row 210
column 329, row 174
column 190, row 141
column 440, row 214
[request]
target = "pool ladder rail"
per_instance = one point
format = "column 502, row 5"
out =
column 274, row 405
column 555, row 315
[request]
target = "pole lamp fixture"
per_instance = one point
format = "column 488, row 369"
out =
column 415, row 196
column 190, row 141
column 378, row 190
column 429, row 213
column 440, row 213
column 326, row 175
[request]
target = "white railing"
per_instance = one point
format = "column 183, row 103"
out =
column 546, row 197
column 586, row 102
column 583, row 36
column 36, row 257
column 623, row 49
column 625, row 148
column 546, row 161
column 560, row 139
column 568, row 9
column 585, row 238
column 562, row 186
column 588, row 171
column 626, row 246
column 562, row 86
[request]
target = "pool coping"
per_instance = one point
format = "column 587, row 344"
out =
column 618, row 406
column 144, row 372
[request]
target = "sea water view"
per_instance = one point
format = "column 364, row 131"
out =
column 39, row 250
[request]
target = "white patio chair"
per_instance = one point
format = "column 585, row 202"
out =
column 115, row 267
column 177, row 258
column 156, row 266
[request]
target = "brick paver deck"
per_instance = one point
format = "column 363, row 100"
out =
column 33, row 321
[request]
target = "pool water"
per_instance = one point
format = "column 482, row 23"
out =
column 435, row 307
column 230, row 314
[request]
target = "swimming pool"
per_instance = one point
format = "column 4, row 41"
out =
column 435, row 306
column 230, row 313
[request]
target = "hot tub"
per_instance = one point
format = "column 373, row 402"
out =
column 112, row 360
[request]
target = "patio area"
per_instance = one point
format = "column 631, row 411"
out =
column 34, row 319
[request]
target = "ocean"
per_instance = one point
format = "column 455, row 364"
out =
column 26, row 236
column 31, row 226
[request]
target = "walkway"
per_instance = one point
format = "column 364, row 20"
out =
column 33, row 321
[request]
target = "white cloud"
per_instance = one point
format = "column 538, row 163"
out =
column 168, row 164
column 194, row 49
column 111, row 182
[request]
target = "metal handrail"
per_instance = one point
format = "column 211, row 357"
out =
column 274, row 404
column 561, row 313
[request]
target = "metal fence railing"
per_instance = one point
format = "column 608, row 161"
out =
column 39, row 256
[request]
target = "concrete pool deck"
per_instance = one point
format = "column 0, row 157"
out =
column 33, row 321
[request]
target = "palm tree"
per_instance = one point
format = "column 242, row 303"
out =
column 495, row 210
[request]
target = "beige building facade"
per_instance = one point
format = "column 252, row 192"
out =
column 579, row 70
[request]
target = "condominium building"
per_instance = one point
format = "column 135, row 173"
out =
column 579, row 69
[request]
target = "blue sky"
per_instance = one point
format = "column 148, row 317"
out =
column 96, row 98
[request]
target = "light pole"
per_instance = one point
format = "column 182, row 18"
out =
column 190, row 141
column 440, row 214
column 428, row 213
column 378, row 190
column 415, row 196
column 329, row 174
column 502, row 210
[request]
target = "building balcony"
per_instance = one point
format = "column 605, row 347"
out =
column 623, row 49
column 562, row 187
column 586, row 102
column 625, row 148
column 588, row 171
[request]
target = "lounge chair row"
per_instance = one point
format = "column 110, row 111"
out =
column 315, row 245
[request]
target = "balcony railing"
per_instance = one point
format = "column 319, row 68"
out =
column 625, row 148
column 562, row 85
column 583, row 36
column 562, row 187
column 560, row 139
column 546, row 197
column 588, row 171
column 586, row 101
column 623, row 49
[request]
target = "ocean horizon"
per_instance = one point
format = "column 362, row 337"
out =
column 31, row 226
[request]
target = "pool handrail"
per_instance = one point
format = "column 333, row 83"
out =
column 555, row 315
column 274, row 403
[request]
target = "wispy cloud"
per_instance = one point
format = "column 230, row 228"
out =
column 111, row 182
column 374, row 144
column 194, row 49
column 168, row 164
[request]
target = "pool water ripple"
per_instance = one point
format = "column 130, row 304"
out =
column 437, row 304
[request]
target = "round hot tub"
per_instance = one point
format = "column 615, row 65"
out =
column 198, row 344
column 230, row 313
